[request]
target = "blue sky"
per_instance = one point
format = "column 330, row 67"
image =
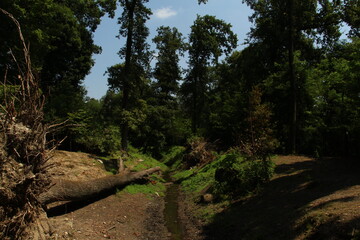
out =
column 174, row 13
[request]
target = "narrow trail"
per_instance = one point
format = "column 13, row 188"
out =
column 306, row 199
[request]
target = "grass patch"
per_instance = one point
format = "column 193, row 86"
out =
column 147, row 189
column 138, row 161
column 174, row 157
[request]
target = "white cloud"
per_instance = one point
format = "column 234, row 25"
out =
column 164, row 13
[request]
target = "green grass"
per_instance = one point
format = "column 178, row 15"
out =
column 173, row 158
column 194, row 183
column 138, row 161
column 149, row 189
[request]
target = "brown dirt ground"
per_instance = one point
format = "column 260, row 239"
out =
column 124, row 216
column 306, row 199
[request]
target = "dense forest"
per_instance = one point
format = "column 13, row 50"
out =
column 297, row 59
column 293, row 89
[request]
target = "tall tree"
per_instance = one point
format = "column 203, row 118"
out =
column 284, row 27
column 170, row 45
column 129, row 76
column 351, row 15
column 210, row 38
column 60, row 37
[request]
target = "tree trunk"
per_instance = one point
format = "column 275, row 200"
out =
column 292, row 77
column 66, row 190
column 126, row 88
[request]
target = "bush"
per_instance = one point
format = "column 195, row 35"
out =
column 236, row 176
column 174, row 157
column 198, row 152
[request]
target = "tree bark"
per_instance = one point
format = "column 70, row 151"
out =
column 66, row 190
column 126, row 88
column 292, row 78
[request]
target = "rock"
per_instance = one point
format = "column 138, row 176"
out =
column 208, row 198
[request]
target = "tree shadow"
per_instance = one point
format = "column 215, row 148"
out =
column 274, row 213
column 71, row 206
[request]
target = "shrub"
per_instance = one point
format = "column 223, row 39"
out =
column 198, row 152
column 174, row 157
column 236, row 176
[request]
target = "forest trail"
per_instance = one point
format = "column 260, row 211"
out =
column 306, row 199
column 124, row 216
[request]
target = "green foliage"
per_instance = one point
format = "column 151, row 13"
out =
column 174, row 157
column 138, row 161
column 148, row 189
column 258, row 143
column 88, row 132
column 332, row 123
column 131, row 77
column 230, row 176
column 210, row 38
column 170, row 45
column 60, row 35
column 236, row 176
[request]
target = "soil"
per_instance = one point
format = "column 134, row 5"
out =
column 306, row 199
column 113, row 216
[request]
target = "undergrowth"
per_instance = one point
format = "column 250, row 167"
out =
column 228, row 177
column 137, row 161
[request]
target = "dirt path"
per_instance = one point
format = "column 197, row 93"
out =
column 124, row 216
column 306, row 199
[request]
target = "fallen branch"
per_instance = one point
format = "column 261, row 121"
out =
column 66, row 190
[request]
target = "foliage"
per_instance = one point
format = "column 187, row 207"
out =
column 332, row 123
column 88, row 132
column 210, row 38
column 138, row 161
column 170, row 45
column 236, row 177
column 258, row 142
column 173, row 158
column 198, row 152
column 60, row 33
column 131, row 77
column 228, row 176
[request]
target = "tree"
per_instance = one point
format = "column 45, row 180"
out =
column 129, row 77
column 66, row 190
column 60, row 33
column 332, row 125
column 209, row 39
column 170, row 45
column 284, row 27
column 162, row 109
column 351, row 15
column 258, row 141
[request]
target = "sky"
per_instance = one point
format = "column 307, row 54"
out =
column 174, row 13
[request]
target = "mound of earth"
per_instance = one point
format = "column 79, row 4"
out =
column 306, row 199
column 121, row 216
